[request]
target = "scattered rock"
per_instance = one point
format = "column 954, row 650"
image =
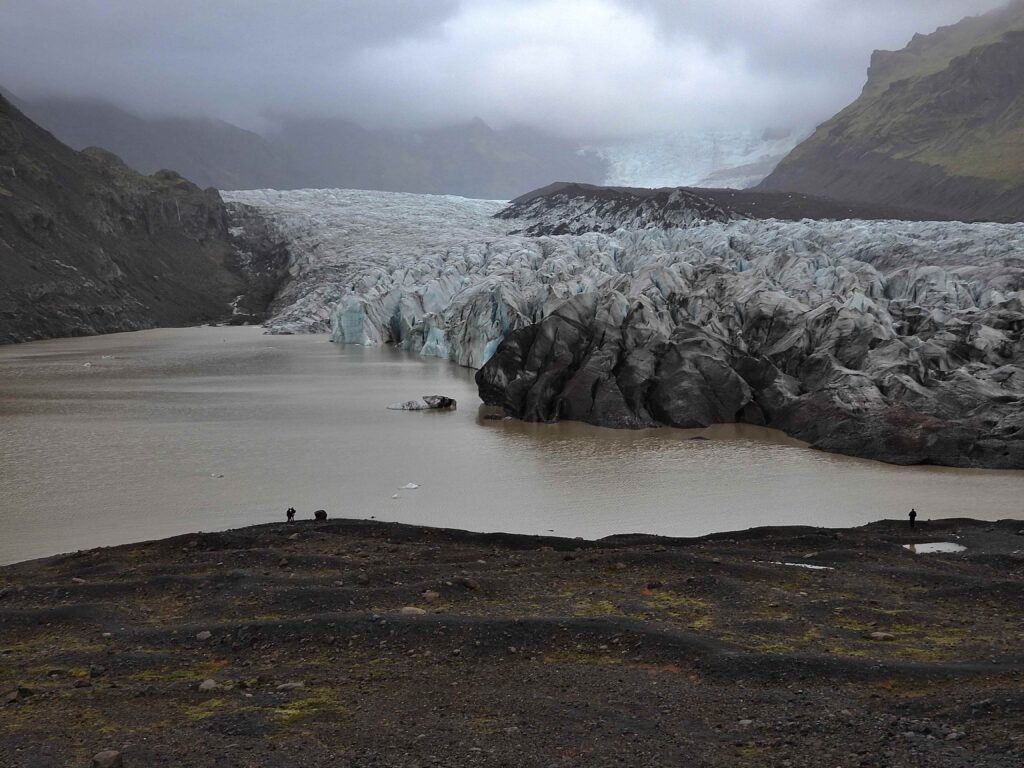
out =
column 469, row 583
column 881, row 637
column 439, row 402
column 362, row 578
column 77, row 580
column 209, row 685
column 108, row 758
column 291, row 686
column 204, row 635
column 411, row 610
column 432, row 597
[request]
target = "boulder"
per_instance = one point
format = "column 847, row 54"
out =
column 108, row 758
column 426, row 403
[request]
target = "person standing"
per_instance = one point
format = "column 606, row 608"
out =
column 913, row 517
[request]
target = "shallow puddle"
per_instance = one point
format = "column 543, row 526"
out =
column 938, row 546
column 806, row 565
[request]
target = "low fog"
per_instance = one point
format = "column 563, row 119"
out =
column 586, row 69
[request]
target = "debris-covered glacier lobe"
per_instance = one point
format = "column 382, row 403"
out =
column 893, row 340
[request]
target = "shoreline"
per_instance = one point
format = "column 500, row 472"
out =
column 778, row 434
column 888, row 526
column 428, row 646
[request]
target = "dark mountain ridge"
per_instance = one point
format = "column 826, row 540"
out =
column 707, row 204
column 88, row 245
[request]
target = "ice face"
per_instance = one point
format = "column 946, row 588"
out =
column 441, row 276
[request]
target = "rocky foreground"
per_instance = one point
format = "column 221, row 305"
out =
column 355, row 643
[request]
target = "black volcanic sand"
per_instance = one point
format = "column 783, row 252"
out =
column 630, row 651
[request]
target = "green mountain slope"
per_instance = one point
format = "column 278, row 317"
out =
column 939, row 127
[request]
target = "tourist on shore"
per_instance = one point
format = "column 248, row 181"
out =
column 290, row 513
column 913, row 517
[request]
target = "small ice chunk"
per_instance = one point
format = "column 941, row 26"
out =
column 408, row 487
column 395, row 496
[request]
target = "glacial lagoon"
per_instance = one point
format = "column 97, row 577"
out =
column 128, row 437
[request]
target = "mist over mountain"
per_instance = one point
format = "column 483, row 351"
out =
column 469, row 159
column 486, row 98
column 939, row 126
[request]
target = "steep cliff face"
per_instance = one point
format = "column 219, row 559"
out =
column 89, row 246
column 939, row 126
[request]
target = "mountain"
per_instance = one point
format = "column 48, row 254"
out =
column 939, row 126
column 211, row 153
column 88, row 245
column 470, row 159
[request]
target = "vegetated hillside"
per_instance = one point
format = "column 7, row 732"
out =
column 469, row 159
column 89, row 246
column 939, row 126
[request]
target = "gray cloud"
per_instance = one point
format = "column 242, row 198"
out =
column 584, row 68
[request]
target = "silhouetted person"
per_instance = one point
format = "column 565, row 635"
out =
column 320, row 514
column 290, row 513
column 913, row 517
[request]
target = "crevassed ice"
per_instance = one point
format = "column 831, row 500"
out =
column 441, row 276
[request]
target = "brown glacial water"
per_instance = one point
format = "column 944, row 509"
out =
column 112, row 439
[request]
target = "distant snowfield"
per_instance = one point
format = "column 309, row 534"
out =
column 440, row 275
column 737, row 159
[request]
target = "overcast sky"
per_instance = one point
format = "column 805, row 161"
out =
column 583, row 68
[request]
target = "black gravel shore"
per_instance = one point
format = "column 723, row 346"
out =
column 357, row 643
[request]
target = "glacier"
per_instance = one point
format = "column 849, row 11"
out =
column 888, row 339
column 730, row 158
